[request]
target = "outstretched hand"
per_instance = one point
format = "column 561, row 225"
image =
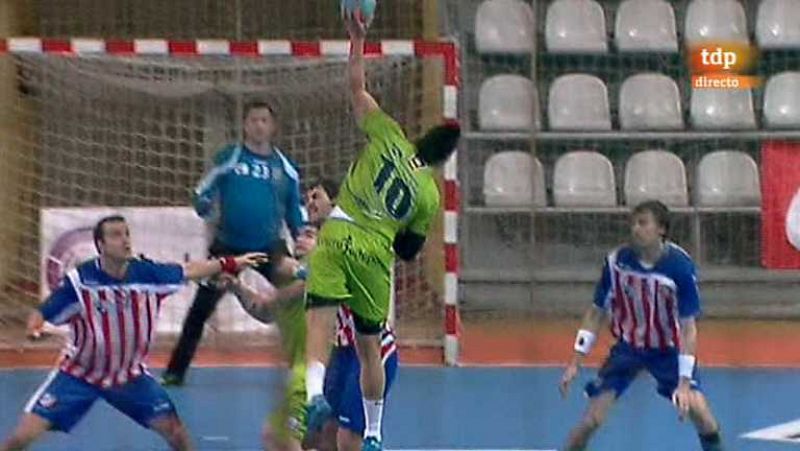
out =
column 566, row 379
column 682, row 399
column 251, row 259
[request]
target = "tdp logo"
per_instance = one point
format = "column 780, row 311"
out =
column 718, row 58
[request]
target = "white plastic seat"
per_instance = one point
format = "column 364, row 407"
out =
column 650, row 102
column 578, row 102
column 722, row 109
column 782, row 101
column 584, row 178
column 514, row 178
column 508, row 102
column 575, row 26
column 727, row 178
column 656, row 175
column 715, row 20
column 504, row 26
column 778, row 24
column 646, row 26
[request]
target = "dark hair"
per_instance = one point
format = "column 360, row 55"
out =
column 659, row 211
column 257, row 105
column 330, row 186
column 99, row 234
column 436, row 146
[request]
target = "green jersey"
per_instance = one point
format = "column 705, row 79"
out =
column 386, row 189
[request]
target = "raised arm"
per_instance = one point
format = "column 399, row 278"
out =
column 363, row 102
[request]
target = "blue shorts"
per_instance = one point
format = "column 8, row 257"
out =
column 625, row 362
column 343, row 389
column 64, row 399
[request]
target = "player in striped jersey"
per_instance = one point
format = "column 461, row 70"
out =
column 111, row 304
column 342, row 389
column 648, row 290
column 286, row 429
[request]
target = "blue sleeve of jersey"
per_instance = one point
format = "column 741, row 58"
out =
column 603, row 287
column 294, row 212
column 688, row 291
column 62, row 304
column 207, row 190
column 165, row 273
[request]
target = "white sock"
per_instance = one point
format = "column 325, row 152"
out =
column 315, row 379
column 373, row 413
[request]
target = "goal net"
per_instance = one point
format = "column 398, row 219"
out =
column 86, row 135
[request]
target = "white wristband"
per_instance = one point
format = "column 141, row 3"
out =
column 686, row 365
column 584, row 341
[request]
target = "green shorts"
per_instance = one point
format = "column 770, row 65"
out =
column 352, row 265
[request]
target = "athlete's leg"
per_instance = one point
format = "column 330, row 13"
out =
column 664, row 368
column 59, row 403
column 705, row 422
column 615, row 376
column 174, row 432
column 146, row 402
column 28, row 430
column 592, row 419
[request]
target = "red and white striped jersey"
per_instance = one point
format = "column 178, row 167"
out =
column 112, row 322
column 646, row 303
column 346, row 333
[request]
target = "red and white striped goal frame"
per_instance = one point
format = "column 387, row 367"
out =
column 446, row 50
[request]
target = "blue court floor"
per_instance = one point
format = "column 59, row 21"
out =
column 435, row 408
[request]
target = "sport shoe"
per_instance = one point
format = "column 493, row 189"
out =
column 171, row 380
column 371, row 444
column 318, row 411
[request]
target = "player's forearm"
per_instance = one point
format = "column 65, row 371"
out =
column 295, row 290
column 688, row 336
column 246, row 293
column 357, row 75
column 201, row 269
column 587, row 334
column 688, row 348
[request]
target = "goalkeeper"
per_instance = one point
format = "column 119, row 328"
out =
column 256, row 189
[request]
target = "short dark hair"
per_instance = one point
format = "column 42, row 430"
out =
column 330, row 186
column 258, row 104
column 436, row 146
column 99, row 234
column 659, row 211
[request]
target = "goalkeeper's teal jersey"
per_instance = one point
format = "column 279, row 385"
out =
column 255, row 194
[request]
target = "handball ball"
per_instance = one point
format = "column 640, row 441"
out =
column 364, row 10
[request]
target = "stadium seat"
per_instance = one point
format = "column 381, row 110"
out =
column 782, row 101
column 727, row 178
column 650, row 102
column 504, row 26
column 508, row 102
column 646, row 26
column 655, row 174
column 778, row 24
column 723, row 109
column 584, row 178
column 575, row 26
column 514, row 178
column 715, row 20
column 578, row 102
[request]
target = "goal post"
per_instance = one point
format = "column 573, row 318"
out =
column 92, row 124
